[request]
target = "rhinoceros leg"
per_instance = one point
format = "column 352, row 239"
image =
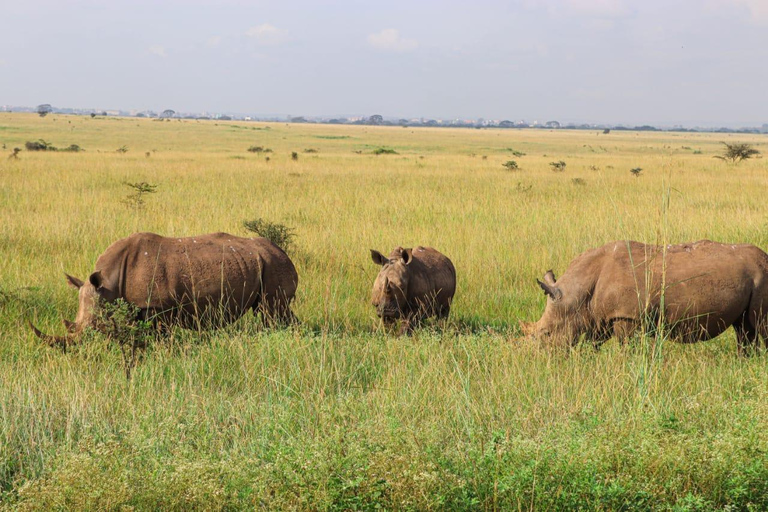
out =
column 746, row 334
column 276, row 312
column 623, row 329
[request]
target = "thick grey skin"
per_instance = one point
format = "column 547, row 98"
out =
column 707, row 287
column 413, row 284
column 196, row 282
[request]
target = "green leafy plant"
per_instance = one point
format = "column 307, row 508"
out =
column 120, row 323
column 279, row 234
column 122, row 150
column 511, row 165
column 136, row 199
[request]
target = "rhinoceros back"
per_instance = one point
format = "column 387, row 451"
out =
column 194, row 276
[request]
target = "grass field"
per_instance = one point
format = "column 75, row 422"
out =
column 339, row 414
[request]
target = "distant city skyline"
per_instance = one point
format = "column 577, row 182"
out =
column 613, row 62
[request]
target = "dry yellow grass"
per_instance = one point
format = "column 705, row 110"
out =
column 339, row 414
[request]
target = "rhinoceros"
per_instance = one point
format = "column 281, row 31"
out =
column 196, row 282
column 413, row 284
column 697, row 290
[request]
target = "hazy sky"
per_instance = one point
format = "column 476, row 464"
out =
column 615, row 61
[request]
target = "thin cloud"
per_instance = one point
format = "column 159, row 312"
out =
column 267, row 34
column 157, row 50
column 213, row 41
column 389, row 40
column 758, row 10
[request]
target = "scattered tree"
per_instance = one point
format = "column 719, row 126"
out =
column 736, row 152
column 376, row 120
column 44, row 109
column 139, row 189
column 167, row 113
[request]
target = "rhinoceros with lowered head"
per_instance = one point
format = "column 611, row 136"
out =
column 413, row 284
column 694, row 290
column 196, row 282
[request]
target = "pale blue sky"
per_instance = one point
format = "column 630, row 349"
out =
column 613, row 61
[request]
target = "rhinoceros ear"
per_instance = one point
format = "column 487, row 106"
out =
column 96, row 279
column 405, row 256
column 74, row 282
column 550, row 289
column 378, row 258
column 549, row 278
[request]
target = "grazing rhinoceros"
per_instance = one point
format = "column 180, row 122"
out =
column 413, row 284
column 697, row 290
column 197, row 282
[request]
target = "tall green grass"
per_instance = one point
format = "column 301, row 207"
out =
column 339, row 414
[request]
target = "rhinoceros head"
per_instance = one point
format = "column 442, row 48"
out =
column 563, row 319
column 90, row 294
column 389, row 294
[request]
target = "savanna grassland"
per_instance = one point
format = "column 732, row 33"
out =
column 337, row 413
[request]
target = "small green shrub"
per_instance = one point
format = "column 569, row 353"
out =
column 39, row 145
column 636, row 171
column 511, row 165
column 515, row 152
column 558, row 166
column 279, row 234
column 140, row 189
column 121, row 324
column 385, row 151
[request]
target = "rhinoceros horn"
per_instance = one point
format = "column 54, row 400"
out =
column 53, row 341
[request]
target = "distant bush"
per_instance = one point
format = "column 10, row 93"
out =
column 15, row 154
column 516, row 153
column 636, row 171
column 558, row 166
column 579, row 181
column 72, row 148
column 736, row 152
column 311, row 150
column 259, row 149
column 39, row 145
column 122, row 150
column 294, row 155
column 385, row 151
column 279, row 234
column 511, row 165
